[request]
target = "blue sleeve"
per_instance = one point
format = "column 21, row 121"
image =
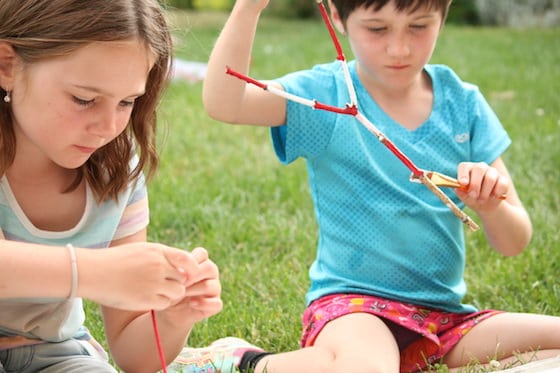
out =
column 489, row 139
column 464, row 110
column 307, row 131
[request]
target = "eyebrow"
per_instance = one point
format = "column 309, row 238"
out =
column 417, row 18
column 428, row 15
column 102, row 92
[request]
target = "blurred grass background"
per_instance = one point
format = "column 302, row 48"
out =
column 221, row 187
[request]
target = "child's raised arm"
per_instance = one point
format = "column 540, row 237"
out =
column 227, row 98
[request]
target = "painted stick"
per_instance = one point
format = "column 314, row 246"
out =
column 352, row 109
column 417, row 173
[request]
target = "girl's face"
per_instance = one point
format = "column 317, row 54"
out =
column 391, row 46
column 67, row 108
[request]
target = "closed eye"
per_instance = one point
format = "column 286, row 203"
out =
column 82, row 102
column 127, row 103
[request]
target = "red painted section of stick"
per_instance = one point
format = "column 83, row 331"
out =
column 348, row 110
column 403, row 158
column 332, row 32
column 246, row 78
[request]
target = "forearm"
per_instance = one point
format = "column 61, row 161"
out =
column 223, row 94
column 43, row 271
column 135, row 349
column 508, row 228
column 30, row 271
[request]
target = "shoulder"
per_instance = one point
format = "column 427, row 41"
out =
column 137, row 188
column 450, row 85
column 446, row 75
column 317, row 77
column 329, row 68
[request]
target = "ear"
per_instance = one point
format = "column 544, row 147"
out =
column 335, row 18
column 8, row 61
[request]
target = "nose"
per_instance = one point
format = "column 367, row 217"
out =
column 398, row 45
column 107, row 124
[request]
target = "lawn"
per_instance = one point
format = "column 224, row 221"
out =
column 221, row 187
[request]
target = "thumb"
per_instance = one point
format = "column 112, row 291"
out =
column 200, row 254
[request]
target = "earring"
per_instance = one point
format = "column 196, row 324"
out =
column 7, row 98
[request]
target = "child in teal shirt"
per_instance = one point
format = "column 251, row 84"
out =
column 387, row 282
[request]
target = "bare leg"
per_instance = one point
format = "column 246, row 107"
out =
column 355, row 343
column 508, row 338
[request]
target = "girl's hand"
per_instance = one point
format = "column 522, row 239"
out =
column 138, row 276
column 483, row 186
column 202, row 292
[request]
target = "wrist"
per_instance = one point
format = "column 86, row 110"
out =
column 73, row 271
column 176, row 317
column 247, row 8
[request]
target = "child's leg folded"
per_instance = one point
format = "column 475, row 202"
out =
column 341, row 334
column 356, row 342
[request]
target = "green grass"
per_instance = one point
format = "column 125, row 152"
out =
column 221, row 186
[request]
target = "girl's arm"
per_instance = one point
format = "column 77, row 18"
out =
column 131, row 335
column 227, row 98
column 33, row 271
column 131, row 275
column 506, row 223
column 135, row 276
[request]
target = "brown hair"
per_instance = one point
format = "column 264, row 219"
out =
column 43, row 29
column 345, row 7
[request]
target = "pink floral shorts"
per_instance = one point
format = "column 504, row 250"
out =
column 424, row 335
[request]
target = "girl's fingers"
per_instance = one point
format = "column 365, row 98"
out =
column 488, row 183
column 207, row 305
column 200, row 254
column 481, row 181
column 211, row 287
column 183, row 265
column 206, row 283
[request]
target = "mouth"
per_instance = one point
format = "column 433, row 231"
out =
column 85, row 149
column 397, row 67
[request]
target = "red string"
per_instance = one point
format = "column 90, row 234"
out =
column 158, row 343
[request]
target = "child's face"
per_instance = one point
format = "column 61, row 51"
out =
column 67, row 108
column 391, row 46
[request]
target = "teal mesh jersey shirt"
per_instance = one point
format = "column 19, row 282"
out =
column 380, row 234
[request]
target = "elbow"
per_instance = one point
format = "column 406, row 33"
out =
column 220, row 108
column 513, row 236
column 220, row 116
column 518, row 244
column 218, row 112
column 512, row 251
